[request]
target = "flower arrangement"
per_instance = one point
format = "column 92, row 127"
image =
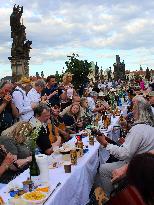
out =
column 33, row 137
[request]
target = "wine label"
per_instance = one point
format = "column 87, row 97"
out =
column 36, row 180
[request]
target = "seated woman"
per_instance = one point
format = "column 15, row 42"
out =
column 68, row 89
column 85, row 114
column 58, row 122
column 14, row 140
column 72, row 118
column 84, row 105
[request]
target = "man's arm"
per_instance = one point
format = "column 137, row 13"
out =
column 128, row 148
column 15, row 111
column 2, row 106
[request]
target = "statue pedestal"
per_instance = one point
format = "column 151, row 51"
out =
column 20, row 68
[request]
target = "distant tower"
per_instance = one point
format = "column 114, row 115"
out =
column 119, row 69
column 96, row 72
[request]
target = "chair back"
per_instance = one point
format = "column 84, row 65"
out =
column 128, row 196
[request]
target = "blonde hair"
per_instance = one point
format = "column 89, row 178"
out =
column 19, row 131
column 70, row 111
column 65, row 78
column 83, row 99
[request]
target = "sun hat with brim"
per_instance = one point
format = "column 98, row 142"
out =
column 151, row 94
column 25, row 80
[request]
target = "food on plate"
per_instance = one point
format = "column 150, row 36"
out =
column 43, row 189
column 34, row 196
column 1, row 201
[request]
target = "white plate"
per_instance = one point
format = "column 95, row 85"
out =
column 34, row 201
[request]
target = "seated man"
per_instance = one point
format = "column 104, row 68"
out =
column 92, row 104
column 140, row 139
column 58, row 122
column 41, row 119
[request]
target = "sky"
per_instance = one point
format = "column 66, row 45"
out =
column 96, row 30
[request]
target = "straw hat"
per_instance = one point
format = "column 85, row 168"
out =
column 25, row 80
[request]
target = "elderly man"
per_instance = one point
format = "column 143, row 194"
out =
column 21, row 101
column 41, row 119
column 34, row 94
column 140, row 139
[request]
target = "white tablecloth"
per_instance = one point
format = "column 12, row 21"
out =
column 75, row 186
column 112, row 134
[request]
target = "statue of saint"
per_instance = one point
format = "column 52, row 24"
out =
column 27, row 47
column 15, row 19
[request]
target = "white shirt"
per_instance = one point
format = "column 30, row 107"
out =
column 140, row 139
column 91, row 105
column 99, row 85
column 34, row 96
column 23, row 104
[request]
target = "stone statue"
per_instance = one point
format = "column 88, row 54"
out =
column 27, row 47
column 109, row 72
column 15, row 20
column 20, row 46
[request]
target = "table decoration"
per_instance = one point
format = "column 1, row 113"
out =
column 73, row 155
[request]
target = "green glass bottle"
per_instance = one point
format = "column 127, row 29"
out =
column 34, row 170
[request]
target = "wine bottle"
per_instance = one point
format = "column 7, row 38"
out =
column 34, row 170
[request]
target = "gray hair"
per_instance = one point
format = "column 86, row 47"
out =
column 38, row 110
column 82, row 100
column 40, row 83
column 93, row 93
column 144, row 111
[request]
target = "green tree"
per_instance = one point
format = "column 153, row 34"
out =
column 80, row 70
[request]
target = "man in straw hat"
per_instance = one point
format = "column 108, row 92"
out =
column 21, row 101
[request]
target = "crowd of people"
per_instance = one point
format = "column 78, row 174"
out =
column 60, row 111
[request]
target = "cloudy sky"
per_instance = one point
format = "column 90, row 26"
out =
column 96, row 30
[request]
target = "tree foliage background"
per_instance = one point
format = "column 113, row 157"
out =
column 80, row 70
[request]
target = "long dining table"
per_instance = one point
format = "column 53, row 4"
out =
column 74, row 187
